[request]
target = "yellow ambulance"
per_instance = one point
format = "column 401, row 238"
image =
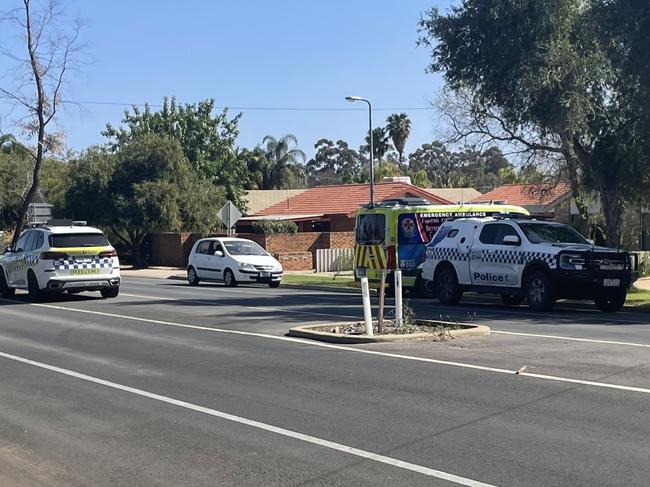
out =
column 393, row 235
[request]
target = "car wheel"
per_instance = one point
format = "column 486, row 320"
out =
column 111, row 292
column 35, row 293
column 512, row 299
column 5, row 290
column 274, row 284
column 192, row 277
column 449, row 291
column 540, row 292
column 229, row 278
column 612, row 303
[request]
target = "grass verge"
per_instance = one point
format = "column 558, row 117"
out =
column 318, row 280
column 638, row 298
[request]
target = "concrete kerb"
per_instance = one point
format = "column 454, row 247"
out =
column 315, row 332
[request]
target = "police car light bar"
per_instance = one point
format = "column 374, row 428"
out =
column 66, row 223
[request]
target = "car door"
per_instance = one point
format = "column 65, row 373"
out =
column 17, row 268
column 493, row 262
column 213, row 263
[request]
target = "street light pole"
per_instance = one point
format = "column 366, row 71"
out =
column 372, row 164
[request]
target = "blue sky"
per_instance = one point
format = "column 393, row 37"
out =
column 253, row 54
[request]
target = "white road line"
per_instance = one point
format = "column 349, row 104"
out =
column 394, row 462
column 574, row 339
column 603, row 385
column 255, row 308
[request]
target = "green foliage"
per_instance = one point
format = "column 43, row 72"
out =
column 146, row 185
column 399, row 129
column 467, row 168
column 380, row 143
column 335, row 164
column 274, row 226
column 565, row 77
column 15, row 178
column 207, row 140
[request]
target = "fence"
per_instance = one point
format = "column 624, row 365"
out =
column 334, row 260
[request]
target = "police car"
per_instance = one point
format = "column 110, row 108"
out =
column 524, row 259
column 57, row 257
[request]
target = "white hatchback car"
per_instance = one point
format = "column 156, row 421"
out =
column 60, row 256
column 232, row 261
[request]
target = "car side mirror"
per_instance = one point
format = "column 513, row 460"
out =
column 511, row 240
column 219, row 253
column 8, row 249
column 591, row 242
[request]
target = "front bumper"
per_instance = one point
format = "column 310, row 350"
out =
column 588, row 284
column 263, row 277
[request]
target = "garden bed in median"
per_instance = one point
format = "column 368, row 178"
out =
column 418, row 330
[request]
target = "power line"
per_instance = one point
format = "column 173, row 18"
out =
column 268, row 109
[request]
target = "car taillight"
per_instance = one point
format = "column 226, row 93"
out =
column 54, row 255
column 108, row 253
column 391, row 260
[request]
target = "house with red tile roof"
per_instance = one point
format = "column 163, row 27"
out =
column 552, row 200
column 333, row 208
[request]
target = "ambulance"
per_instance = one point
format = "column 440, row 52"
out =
column 394, row 234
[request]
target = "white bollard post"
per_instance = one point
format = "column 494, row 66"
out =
column 367, row 313
column 398, row 298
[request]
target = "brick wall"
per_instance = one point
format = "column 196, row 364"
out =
column 173, row 249
column 341, row 223
column 295, row 261
column 341, row 240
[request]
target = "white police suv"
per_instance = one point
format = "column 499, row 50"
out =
column 60, row 256
column 524, row 259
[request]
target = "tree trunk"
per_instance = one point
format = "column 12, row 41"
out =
column 612, row 208
column 139, row 261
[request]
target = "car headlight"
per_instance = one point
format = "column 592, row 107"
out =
column 572, row 262
column 246, row 267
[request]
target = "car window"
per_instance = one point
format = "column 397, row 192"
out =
column 494, row 233
column 370, row 229
column 204, row 247
column 64, row 240
column 217, row 248
column 551, row 233
column 242, row 247
column 22, row 241
column 37, row 241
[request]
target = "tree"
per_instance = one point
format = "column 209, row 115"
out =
column 399, row 129
column 552, row 77
column 207, row 140
column 15, row 178
column 284, row 165
column 335, row 164
column 49, row 57
column 144, row 186
column 380, row 144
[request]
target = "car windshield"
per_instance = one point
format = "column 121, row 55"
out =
column 244, row 248
column 63, row 240
column 551, row 233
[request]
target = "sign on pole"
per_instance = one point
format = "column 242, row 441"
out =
column 229, row 215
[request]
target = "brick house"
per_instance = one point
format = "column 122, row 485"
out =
column 333, row 208
column 549, row 200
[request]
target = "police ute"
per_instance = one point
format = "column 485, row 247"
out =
column 524, row 259
column 60, row 256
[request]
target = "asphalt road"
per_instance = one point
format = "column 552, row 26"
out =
column 172, row 385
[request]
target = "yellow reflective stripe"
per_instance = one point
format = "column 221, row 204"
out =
column 81, row 250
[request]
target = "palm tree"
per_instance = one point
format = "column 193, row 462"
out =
column 284, row 165
column 380, row 143
column 399, row 129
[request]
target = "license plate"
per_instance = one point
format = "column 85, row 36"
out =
column 611, row 282
column 83, row 272
column 86, row 284
column 265, row 274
